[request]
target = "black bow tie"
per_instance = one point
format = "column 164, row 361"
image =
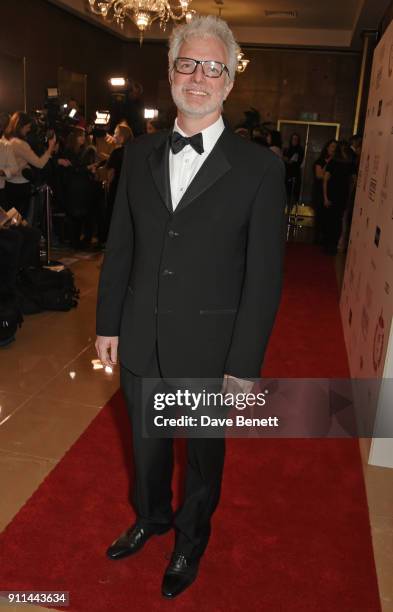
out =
column 178, row 142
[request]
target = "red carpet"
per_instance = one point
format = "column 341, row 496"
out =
column 291, row 533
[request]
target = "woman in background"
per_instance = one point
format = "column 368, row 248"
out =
column 80, row 187
column 293, row 157
column 338, row 181
column 18, row 187
column 275, row 143
column 122, row 135
column 327, row 154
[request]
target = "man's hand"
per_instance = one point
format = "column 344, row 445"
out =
column 234, row 385
column 64, row 162
column 106, row 347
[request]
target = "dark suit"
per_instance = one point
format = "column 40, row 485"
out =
column 191, row 293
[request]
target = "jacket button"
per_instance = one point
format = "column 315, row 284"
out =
column 167, row 273
column 172, row 234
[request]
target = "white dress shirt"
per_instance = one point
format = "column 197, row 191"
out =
column 184, row 165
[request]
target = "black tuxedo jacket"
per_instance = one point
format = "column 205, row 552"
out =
column 204, row 281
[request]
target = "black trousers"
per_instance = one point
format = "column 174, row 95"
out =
column 153, row 459
column 332, row 218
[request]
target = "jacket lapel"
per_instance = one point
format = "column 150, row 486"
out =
column 159, row 166
column 214, row 167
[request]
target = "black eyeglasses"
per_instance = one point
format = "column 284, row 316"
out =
column 210, row 68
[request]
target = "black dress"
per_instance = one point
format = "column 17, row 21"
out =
column 317, row 199
column 338, row 190
column 80, row 193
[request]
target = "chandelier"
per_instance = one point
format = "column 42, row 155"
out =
column 142, row 12
column 242, row 62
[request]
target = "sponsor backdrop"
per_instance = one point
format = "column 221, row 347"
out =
column 367, row 295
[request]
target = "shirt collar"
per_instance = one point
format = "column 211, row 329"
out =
column 210, row 134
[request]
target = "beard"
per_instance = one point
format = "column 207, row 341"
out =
column 212, row 103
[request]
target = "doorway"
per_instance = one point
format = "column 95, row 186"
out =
column 313, row 137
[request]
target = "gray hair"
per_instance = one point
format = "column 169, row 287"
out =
column 204, row 27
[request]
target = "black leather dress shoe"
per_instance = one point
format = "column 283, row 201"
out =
column 180, row 573
column 131, row 541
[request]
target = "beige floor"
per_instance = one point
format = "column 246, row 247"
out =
column 50, row 391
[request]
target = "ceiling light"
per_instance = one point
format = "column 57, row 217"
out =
column 117, row 81
column 142, row 12
column 242, row 62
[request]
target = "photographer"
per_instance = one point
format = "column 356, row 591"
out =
column 122, row 135
column 18, row 187
column 80, row 187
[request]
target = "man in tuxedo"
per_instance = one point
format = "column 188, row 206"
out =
column 191, row 281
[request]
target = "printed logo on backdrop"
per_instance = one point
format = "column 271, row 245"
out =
column 364, row 323
column 379, row 113
column 365, row 318
column 389, row 253
column 361, row 362
column 387, row 288
column 377, row 236
column 350, row 317
column 379, row 340
column 385, row 186
column 378, row 80
column 373, row 265
column 390, row 65
column 366, row 171
column 372, row 189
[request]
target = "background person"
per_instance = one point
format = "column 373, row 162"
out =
column 122, row 135
column 338, row 181
column 293, row 157
column 275, row 143
column 8, row 167
column 327, row 154
column 79, row 186
column 18, row 187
